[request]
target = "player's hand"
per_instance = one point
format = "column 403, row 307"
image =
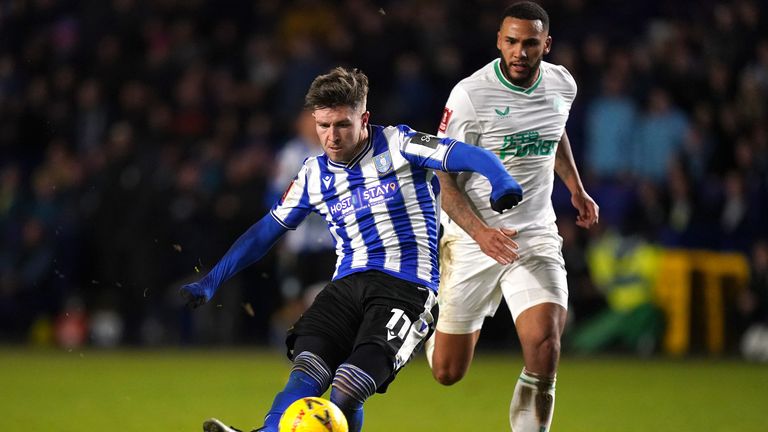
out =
column 506, row 194
column 196, row 294
column 589, row 211
column 497, row 243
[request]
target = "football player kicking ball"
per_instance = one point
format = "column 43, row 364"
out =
column 376, row 188
column 516, row 107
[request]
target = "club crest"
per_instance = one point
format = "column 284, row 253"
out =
column 559, row 104
column 383, row 162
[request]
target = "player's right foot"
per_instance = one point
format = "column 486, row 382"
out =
column 215, row 425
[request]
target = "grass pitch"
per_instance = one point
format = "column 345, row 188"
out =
column 166, row 391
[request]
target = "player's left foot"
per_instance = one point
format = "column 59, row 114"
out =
column 215, row 425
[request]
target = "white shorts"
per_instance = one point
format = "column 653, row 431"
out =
column 472, row 283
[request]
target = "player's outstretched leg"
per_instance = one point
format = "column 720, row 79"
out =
column 357, row 379
column 351, row 387
column 310, row 376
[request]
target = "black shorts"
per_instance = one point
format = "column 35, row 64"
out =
column 370, row 307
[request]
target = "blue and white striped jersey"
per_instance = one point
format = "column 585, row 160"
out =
column 381, row 207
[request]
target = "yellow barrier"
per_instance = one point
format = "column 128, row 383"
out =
column 674, row 286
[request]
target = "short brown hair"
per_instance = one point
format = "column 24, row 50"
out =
column 339, row 87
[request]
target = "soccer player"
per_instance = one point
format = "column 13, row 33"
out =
column 515, row 106
column 375, row 187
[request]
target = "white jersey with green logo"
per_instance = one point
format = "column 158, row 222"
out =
column 523, row 128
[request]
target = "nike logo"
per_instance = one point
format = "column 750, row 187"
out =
column 502, row 113
column 327, row 181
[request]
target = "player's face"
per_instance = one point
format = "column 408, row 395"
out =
column 342, row 131
column 523, row 44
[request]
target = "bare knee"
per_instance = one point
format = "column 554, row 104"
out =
column 449, row 374
column 539, row 329
column 549, row 348
column 452, row 356
column 542, row 356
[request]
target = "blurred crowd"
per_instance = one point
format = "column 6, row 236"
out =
column 138, row 139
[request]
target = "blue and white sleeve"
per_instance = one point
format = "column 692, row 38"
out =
column 446, row 154
column 291, row 209
column 425, row 150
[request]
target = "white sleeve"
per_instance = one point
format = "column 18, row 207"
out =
column 570, row 83
column 459, row 119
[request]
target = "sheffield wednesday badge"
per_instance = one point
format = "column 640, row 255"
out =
column 383, row 162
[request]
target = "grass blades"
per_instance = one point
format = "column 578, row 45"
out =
column 175, row 390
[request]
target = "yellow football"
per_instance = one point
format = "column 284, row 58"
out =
column 313, row 414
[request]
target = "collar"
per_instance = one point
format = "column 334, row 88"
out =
column 355, row 160
column 506, row 83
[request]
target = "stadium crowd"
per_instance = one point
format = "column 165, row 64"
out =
column 139, row 138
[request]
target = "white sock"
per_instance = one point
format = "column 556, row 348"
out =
column 533, row 403
column 429, row 348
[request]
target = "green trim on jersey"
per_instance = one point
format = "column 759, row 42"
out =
column 509, row 85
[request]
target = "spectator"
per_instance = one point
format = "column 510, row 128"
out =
column 624, row 268
column 659, row 135
column 611, row 118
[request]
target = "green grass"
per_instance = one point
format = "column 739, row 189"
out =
column 175, row 390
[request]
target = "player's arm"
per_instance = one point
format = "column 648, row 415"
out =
column 457, row 206
column 565, row 167
column 505, row 191
column 285, row 215
column 448, row 155
column 248, row 249
column 497, row 243
column 460, row 120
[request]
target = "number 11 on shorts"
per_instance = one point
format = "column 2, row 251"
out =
column 398, row 315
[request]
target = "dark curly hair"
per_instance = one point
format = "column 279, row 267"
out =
column 528, row 11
